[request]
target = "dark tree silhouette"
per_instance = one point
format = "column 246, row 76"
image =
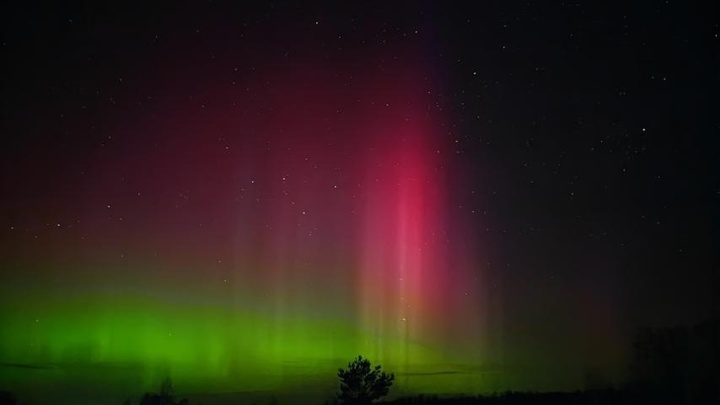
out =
column 165, row 397
column 362, row 384
column 679, row 364
column 7, row 398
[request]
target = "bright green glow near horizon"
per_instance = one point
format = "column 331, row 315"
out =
column 208, row 345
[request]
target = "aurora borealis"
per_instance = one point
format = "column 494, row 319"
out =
column 244, row 198
column 295, row 218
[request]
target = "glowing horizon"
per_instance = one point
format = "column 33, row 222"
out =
column 275, row 229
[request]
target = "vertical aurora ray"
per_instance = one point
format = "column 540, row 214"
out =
column 293, row 225
column 402, row 252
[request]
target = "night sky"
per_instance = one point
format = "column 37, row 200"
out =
column 245, row 197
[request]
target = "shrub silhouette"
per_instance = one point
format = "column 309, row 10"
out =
column 165, row 397
column 7, row 398
column 361, row 384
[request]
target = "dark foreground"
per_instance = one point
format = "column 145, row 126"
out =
column 627, row 396
column 596, row 397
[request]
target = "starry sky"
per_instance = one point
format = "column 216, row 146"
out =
column 471, row 195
